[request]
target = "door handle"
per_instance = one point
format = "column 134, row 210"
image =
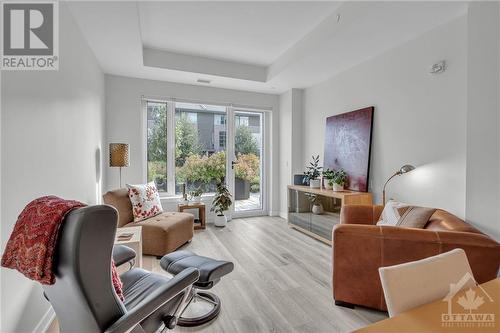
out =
column 233, row 163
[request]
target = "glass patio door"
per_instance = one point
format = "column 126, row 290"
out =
column 245, row 162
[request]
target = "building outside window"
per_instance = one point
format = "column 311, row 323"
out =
column 222, row 139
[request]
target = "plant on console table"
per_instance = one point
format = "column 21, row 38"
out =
column 338, row 180
column 221, row 203
column 312, row 173
column 328, row 178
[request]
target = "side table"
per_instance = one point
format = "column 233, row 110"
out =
column 135, row 242
column 201, row 212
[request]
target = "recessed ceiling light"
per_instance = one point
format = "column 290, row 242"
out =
column 205, row 81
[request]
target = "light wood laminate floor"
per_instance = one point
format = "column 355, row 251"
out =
column 281, row 281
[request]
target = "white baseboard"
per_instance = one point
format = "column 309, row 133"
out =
column 274, row 213
column 44, row 323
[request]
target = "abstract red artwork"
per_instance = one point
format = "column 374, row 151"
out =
column 348, row 146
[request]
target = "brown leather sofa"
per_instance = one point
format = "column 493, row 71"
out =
column 360, row 248
column 161, row 234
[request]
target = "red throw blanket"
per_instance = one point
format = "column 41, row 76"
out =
column 31, row 246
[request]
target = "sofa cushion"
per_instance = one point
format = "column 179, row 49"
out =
column 442, row 220
column 391, row 213
column 145, row 201
column 120, row 201
column 164, row 233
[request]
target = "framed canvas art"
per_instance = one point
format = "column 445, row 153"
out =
column 348, row 139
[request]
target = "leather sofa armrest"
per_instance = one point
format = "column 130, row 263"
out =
column 359, row 250
column 154, row 301
column 360, row 214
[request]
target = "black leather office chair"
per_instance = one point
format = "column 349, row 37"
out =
column 83, row 296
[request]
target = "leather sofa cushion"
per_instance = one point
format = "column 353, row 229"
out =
column 442, row 220
column 120, row 200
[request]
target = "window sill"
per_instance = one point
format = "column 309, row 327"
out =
column 178, row 198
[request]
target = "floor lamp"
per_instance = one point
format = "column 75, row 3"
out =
column 119, row 156
column 404, row 169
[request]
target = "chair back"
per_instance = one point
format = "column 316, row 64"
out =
column 83, row 296
column 409, row 285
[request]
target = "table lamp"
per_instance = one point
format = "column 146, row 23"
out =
column 404, row 169
column 119, row 156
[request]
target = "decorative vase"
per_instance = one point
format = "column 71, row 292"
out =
column 328, row 186
column 197, row 199
column 315, row 183
column 317, row 209
column 337, row 187
column 220, row 220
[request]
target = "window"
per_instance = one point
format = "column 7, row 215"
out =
column 220, row 119
column 196, row 153
column 200, row 157
column 157, row 144
column 222, row 139
column 242, row 121
column 187, row 143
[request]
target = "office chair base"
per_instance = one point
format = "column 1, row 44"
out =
column 209, row 316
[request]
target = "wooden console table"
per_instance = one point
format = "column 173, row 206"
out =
column 201, row 212
column 300, row 214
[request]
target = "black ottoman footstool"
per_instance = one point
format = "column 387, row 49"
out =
column 211, row 271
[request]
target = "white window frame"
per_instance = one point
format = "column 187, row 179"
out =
column 230, row 112
column 170, row 143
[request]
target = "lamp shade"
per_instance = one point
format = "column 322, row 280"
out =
column 119, row 155
column 406, row 168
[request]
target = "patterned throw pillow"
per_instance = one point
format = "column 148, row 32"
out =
column 145, row 201
column 392, row 212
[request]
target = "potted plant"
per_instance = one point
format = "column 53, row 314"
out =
column 317, row 207
column 195, row 195
column 313, row 172
column 328, row 178
column 221, row 203
column 338, row 180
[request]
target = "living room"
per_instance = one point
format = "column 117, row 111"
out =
column 215, row 111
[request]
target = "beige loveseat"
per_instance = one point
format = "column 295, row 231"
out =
column 162, row 233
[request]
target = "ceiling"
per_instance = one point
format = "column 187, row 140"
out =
column 258, row 46
column 247, row 32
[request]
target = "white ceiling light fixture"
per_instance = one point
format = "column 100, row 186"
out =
column 204, row 81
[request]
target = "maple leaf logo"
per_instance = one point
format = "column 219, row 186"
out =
column 470, row 301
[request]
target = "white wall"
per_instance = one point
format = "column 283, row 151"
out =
column 52, row 131
column 124, row 123
column 291, row 141
column 483, row 107
column 419, row 118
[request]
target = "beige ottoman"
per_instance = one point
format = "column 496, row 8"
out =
column 161, row 234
